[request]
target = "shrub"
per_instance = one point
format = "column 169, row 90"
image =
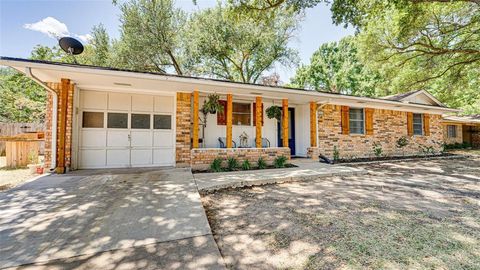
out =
column 280, row 162
column 246, row 165
column 232, row 163
column 377, row 149
column 216, row 165
column 427, row 150
column 261, row 163
column 401, row 143
column 336, row 153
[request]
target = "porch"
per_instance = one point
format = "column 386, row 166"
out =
column 242, row 129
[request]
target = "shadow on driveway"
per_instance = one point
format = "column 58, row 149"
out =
column 107, row 219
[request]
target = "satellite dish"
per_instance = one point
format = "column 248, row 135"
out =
column 70, row 45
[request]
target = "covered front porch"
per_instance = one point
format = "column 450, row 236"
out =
column 242, row 129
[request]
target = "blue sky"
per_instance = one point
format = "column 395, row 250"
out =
column 79, row 16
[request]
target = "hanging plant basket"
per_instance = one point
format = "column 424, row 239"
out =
column 274, row 112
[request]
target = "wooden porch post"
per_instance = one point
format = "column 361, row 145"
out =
column 195, row 119
column 313, row 124
column 229, row 120
column 285, row 123
column 62, row 124
column 258, row 122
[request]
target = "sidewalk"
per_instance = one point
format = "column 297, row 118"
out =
column 307, row 170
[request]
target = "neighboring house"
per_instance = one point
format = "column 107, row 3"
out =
column 116, row 118
column 462, row 129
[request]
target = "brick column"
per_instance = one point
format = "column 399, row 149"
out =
column 313, row 124
column 183, row 120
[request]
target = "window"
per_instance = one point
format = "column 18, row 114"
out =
column 241, row 114
column 452, row 131
column 162, row 121
column 357, row 121
column 140, row 121
column 92, row 120
column 417, row 124
column 117, row 120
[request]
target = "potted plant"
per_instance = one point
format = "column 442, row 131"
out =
column 32, row 161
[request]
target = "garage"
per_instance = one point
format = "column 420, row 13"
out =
column 125, row 130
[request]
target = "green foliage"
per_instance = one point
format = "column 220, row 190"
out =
column 21, row 99
column 274, row 112
column 377, row 149
column 212, row 105
column 452, row 146
column 239, row 46
column 336, row 67
column 336, row 153
column 261, row 163
column 427, row 150
column 279, row 162
column 246, row 165
column 232, row 163
column 216, row 165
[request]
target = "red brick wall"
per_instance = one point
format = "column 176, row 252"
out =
column 183, row 126
column 388, row 126
column 48, row 125
column 203, row 157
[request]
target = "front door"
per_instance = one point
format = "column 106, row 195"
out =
column 291, row 131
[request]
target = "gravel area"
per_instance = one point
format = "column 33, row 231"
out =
column 401, row 215
column 10, row 178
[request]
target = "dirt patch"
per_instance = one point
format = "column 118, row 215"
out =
column 419, row 214
column 11, row 177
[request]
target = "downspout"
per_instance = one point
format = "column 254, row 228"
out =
column 28, row 72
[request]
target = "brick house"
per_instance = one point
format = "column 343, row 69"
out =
column 462, row 129
column 108, row 118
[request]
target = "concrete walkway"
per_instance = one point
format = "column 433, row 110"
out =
column 307, row 170
column 117, row 219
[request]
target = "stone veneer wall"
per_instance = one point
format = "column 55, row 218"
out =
column 48, row 125
column 183, row 137
column 203, row 157
column 388, row 126
column 458, row 139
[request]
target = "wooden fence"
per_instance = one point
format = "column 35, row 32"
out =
column 9, row 129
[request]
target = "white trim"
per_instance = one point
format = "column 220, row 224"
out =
column 226, row 85
column 434, row 99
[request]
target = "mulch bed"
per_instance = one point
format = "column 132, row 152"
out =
column 373, row 159
column 288, row 165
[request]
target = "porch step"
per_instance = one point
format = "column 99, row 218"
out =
column 306, row 170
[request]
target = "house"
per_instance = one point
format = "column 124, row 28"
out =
column 109, row 118
column 462, row 130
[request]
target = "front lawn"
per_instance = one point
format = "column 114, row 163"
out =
column 420, row 215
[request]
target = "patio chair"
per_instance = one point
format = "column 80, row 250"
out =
column 223, row 142
column 265, row 143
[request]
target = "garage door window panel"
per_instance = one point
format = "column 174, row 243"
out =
column 117, row 120
column 140, row 121
column 162, row 121
column 92, row 119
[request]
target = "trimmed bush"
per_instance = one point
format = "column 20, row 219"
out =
column 246, row 165
column 216, row 165
column 280, row 162
column 232, row 164
column 261, row 163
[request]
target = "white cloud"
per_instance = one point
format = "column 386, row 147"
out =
column 85, row 38
column 49, row 26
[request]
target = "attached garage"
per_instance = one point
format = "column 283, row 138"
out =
column 125, row 130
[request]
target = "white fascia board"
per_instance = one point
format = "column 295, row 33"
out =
column 316, row 96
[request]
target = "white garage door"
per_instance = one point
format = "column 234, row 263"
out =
column 125, row 130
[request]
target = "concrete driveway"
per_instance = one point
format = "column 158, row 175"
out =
column 117, row 219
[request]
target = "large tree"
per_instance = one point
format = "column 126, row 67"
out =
column 335, row 67
column 239, row 46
